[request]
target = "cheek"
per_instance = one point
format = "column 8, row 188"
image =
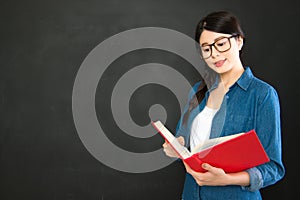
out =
column 236, row 50
column 233, row 55
column 210, row 63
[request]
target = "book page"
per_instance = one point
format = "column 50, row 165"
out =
column 180, row 149
column 212, row 142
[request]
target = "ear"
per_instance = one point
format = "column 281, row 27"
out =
column 240, row 42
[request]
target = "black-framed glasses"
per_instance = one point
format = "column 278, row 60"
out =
column 222, row 44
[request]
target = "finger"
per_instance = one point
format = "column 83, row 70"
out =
column 165, row 144
column 181, row 140
column 206, row 166
column 210, row 168
column 196, row 175
column 169, row 152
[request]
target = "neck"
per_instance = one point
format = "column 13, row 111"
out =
column 230, row 77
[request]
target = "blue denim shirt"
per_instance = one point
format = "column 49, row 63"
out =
column 249, row 104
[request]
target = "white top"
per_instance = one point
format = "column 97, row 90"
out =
column 201, row 126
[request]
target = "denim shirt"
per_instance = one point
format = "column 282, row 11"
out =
column 249, row 104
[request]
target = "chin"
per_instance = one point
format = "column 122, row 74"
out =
column 219, row 70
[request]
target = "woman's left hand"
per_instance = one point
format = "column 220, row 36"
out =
column 213, row 177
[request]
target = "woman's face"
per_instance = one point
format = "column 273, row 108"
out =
column 221, row 62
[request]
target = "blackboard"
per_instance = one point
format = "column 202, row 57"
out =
column 43, row 45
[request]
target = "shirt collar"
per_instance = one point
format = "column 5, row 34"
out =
column 245, row 79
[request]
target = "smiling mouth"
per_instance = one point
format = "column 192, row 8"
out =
column 220, row 63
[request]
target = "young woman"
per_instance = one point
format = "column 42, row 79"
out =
column 237, row 102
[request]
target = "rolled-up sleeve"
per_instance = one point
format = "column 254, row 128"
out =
column 256, row 180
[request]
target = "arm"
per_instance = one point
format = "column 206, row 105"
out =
column 269, row 131
column 181, row 130
column 217, row 177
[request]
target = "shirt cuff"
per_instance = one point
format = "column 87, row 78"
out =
column 256, row 181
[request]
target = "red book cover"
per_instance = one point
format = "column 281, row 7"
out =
column 233, row 153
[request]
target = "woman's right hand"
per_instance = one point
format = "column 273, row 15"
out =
column 169, row 151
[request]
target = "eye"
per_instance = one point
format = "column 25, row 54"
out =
column 205, row 49
column 221, row 42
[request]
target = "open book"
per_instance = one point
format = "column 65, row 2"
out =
column 232, row 153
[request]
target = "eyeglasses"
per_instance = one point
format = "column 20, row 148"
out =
column 221, row 45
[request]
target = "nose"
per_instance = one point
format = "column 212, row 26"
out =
column 214, row 52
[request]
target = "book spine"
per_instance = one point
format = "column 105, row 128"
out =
column 195, row 163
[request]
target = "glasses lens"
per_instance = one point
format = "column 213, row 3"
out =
column 205, row 51
column 223, row 44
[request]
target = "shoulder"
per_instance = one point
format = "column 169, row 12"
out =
column 194, row 89
column 263, row 89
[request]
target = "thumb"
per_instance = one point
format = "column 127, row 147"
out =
column 212, row 169
column 181, row 140
column 207, row 166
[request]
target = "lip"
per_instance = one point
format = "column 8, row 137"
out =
column 219, row 63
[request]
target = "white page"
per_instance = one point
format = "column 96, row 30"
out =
column 213, row 142
column 182, row 150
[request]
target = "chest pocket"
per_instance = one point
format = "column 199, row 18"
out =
column 238, row 123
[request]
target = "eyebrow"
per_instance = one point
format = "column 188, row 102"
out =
column 205, row 43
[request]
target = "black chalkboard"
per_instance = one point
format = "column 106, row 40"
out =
column 43, row 45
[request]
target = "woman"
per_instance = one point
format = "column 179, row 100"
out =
column 237, row 102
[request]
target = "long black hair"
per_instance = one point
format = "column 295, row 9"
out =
column 220, row 22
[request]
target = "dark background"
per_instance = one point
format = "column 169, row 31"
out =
column 42, row 46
